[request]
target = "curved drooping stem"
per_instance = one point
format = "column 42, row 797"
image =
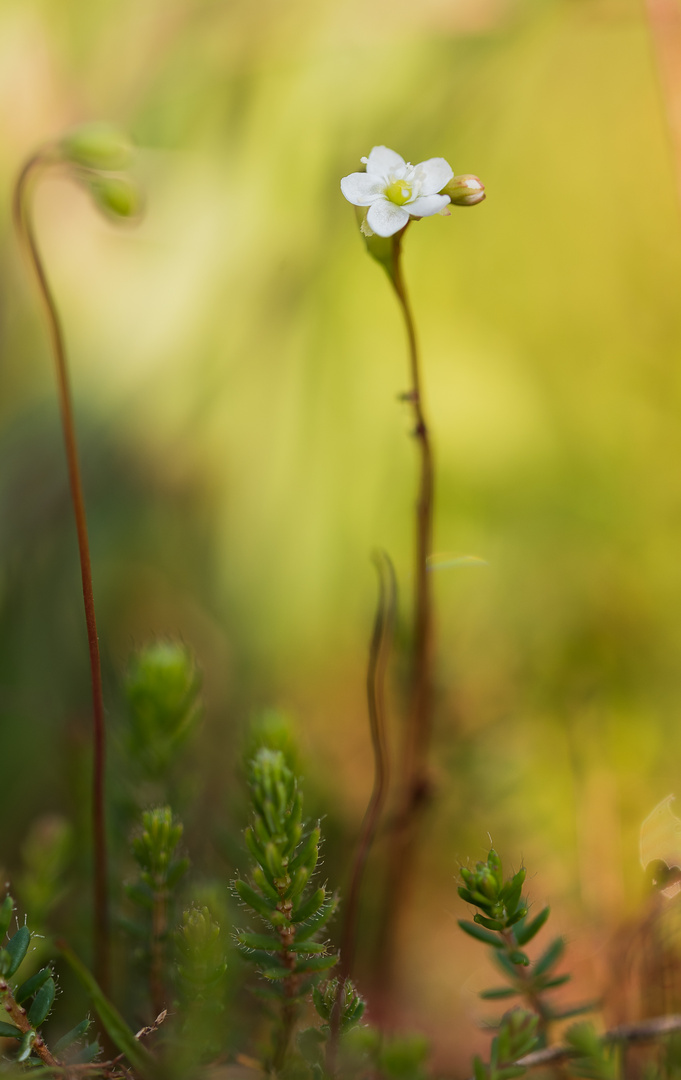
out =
column 378, row 658
column 21, row 209
column 413, row 780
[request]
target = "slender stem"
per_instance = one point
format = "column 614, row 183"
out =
column 24, row 226
column 533, row 997
column 415, row 752
column 18, row 1016
column 414, row 773
column 289, row 1009
column 378, row 659
column 159, row 927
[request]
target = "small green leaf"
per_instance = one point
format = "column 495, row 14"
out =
column 42, row 1003
column 276, row 972
column 17, row 947
column 307, row 947
column 529, row 930
column 310, row 926
column 70, row 1037
column 263, row 879
column 491, row 924
column 87, row 1054
column 263, row 906
column 273, row 860
column 259, row 941
column 519, row 958
column 560, row 980
column 498, row 992
column 550, row 957
column 177, row 870
column 479, row 1070
column 309, row 907
column 300, row 880
column 307, row 853
column 140, row 894
column 255, row 848
column 510, row 893
column 505, row 964
column 315, row 963
column 26, row 1046
column 9, row 1031
column 481, row 934
column 310, row 1042
column 31, row 986
column 465, row 894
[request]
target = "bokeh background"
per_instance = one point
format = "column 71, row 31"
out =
column 237, row 360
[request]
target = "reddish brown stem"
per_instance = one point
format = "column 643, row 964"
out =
column 289, row 1010
column 17, row 1014
column 414, row 770
column 24, row 227
column 378, row 659
column 159, row 926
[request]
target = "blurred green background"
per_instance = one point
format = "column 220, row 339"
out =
column 236, row 361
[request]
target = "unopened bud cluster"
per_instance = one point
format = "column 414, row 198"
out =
column 99, row 154
column 499, row 900
column 285, row 850
column 162, row 687
column 352, row 1004
column 518, row 1035
column 201, row 963
column 154, row 850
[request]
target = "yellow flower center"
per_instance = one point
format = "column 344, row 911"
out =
column 399, row 192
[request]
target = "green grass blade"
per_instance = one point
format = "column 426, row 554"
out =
column 116, row 1028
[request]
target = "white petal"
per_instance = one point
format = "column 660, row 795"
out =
column 426, row 205
column 361, row 189
column 382, row 161
column 385, row 218
column 435, row 173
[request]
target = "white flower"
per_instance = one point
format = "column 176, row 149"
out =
column 394, row 190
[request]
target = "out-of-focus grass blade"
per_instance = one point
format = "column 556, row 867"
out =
column 114, row 1024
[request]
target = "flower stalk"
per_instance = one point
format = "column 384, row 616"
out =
column 414, row 781
column 24, row 226
column 389, row 194
column 94, row 154
column 378, row 658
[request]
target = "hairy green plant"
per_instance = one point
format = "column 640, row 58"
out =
column 502, row 923
column 27, row 1003
column 160, row 871
column 201, row 970
column 281, row 892
column 517, row 1036
column 593, row 1058
column 162, row 686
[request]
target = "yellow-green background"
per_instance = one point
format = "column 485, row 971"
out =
column 236, row 362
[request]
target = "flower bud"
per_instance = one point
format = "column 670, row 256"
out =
column 96, row 146
column 464, row 190
column 116, row 196
column 487, row 883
